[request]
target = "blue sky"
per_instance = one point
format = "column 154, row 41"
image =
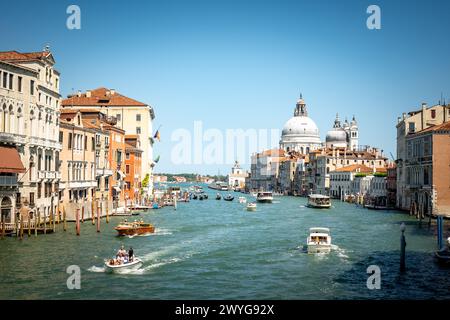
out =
column 241, row 64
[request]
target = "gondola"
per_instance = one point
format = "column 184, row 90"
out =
column 218, row 196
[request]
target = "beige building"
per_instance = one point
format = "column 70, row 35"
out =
column 132, row 116
column 236, row 178
column 29, row 121
column 324, row 161
column 264, row 169
column 427, row 171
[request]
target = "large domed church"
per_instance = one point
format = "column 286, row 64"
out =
column 300, row 133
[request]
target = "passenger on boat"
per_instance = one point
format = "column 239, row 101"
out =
column 121, row 252
column 130, row 254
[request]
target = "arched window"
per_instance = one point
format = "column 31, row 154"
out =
column 4, row 118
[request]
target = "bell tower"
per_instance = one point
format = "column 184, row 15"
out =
column 354, row 134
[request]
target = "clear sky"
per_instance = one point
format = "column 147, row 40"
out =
column 242, row 64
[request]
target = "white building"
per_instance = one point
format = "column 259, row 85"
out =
column 345, row 136
column 29, row 122
column 236, row 179
column 133, row 116
column 264, row 169
column 300, row 133
column 341, row 180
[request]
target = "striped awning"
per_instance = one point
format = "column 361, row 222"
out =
column 10, row 160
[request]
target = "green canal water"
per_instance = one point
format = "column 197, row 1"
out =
column 216, row 250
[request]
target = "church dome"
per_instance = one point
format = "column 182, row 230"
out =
column 336, row 137
column 300, row 125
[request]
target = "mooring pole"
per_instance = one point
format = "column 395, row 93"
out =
column 98, row 219
column 77, row 223
column 402, row 248
column 439, row 231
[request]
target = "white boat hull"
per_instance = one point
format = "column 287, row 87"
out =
column 123, row 268
column 264, row 200
column 319, row 248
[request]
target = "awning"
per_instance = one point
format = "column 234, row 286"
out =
column 121, row 174
column 10, row 160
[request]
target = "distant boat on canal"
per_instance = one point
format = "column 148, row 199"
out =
column 134, row 228
column 264, row 196
column 319, row 201
column 228, row 197
column 218, row 185
column 251, row 206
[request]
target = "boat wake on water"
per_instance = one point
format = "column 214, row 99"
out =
column 158, row 232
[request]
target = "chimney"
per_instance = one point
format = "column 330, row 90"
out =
column 404, row 116
column 79, row 93
column 113, row 91
column 423, row 119
column 88, row 93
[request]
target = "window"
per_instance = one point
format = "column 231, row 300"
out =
column 19, row 84
column 127, row 169
column 433, row 114
column 5, row 80
column 32, row 87
column 70, row 141
column 412, row 127
column 118, row 116
column 127, row 155
column 138, row 130
column 85, row 143
column 138, row 117
column 93, row 144
column 11, row 79
column 31, row 198
column 61, row 137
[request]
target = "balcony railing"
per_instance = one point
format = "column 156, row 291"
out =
column 8, row 181
column 12, row 138
column 82, row 184
column 104, row 172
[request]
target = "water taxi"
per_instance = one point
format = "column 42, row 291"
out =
column 251, row 206
column 319, row 201
column 242, row 200
column 113, row 266
column 218, row 185
column 319, row 240
column 134, row 228
column 264, row 196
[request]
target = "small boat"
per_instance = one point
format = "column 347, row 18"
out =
column 251, row 206
column 205, row 195
column 242, row 200
column 118, row 268
column 218, row 196
column 155, row 205
column 200, row 197
column 229, row 197
column 194, row 196
column 319, row 201
column 134, row 228
column 443, row 255
column 319, row 240
column 264, row 196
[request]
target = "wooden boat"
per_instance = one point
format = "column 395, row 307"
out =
column 229, row 197
column 264, row 196
column 319, row 240
column 134, row 228
column 319, row 201
column 124, row 267
column 251, row 206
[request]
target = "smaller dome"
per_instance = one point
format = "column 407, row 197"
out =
column 336, row 136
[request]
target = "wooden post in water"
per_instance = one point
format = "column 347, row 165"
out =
column 29, row 225
column 93, row 211
column 77, row 223
column 16, row 226
column 402, row 248
column 107, row 212
column 21, row 227
column 64, row 219
column 3, row 226
column 53, row 218
column 82, row 213
column 45, row 224
column 98, row 219
column 36, row 222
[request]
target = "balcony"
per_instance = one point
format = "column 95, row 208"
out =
column 13, row 138
column 103, row 172
column 36, row 141
column 8, row 181
column 81, row 184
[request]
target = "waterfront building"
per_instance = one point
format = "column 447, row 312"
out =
column 391, row 185
column 414, row 121
column 324, row 161
column 132, row 116
column 290, row 171
column 157, row 179
column 426, row 166
column 300, row 133
column 133, row 162
column 377, row 193
column 264, row 169
column 345, row 136
column 236, row 179
column 341, row 179
column 29, row 129
column 77, row 166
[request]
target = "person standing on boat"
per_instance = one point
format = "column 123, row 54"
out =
column 130, row 254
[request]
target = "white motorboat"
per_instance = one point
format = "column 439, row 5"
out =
column 123, row 267
column 264, row 196
column 319, row 240
column 251, row 206
column 319, row 201
column 242, row 200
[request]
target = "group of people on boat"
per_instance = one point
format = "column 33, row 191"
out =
column 122, row 256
